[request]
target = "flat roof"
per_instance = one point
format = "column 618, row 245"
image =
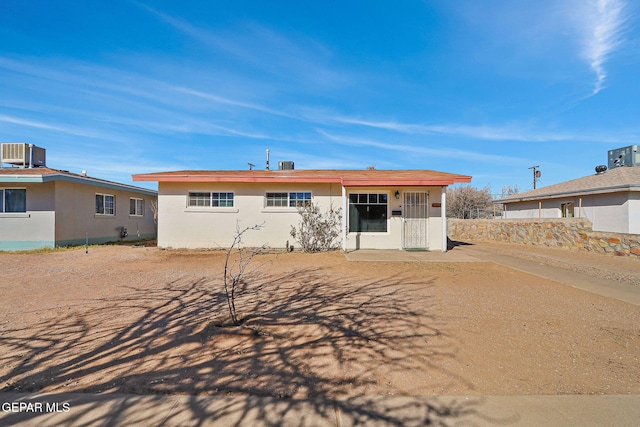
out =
column 45, row 174
column 348, row 178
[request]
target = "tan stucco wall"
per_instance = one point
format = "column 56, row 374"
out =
column 607, row 212
column 35, row 228
column 76, row 217
column 392, row 239
column 634, row 213
column 180, row 226
column 62, row 213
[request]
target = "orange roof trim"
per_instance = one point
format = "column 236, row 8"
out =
column 348, row 178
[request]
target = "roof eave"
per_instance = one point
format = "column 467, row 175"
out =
column 400, row 182
column 349, row 182
column 590, row 192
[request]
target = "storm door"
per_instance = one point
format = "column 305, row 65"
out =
column 415, row 219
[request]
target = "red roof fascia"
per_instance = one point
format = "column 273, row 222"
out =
column 320, row 177
column 212, row 178
column 401, row 182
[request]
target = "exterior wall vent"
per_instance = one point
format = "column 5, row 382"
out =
column 626, row 156
column 286, row 166
column 23, row 154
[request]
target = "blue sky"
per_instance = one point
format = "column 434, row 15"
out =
column 485, row 88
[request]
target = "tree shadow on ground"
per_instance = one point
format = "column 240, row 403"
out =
column 308, row 337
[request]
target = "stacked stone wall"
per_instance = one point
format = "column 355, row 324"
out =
column 570, row 233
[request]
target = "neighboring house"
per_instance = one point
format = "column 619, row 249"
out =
column 43, row 207
column 610, row 200
column 382, row 209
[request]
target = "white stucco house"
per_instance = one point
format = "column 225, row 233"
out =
column 382, row 209
column 610, row 200
column 43, row 207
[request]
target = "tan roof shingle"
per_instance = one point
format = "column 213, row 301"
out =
column 617, row 179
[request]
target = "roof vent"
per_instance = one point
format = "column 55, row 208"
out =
column 601, row 169
column 286, row 166
column 23, row 154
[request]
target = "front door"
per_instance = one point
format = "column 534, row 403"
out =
column 415, row 218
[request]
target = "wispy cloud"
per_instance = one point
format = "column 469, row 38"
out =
column 515, row 132
column 230, row 102
column 421, row 150
column 603, row 27
column 295, row 58
column 71, row 130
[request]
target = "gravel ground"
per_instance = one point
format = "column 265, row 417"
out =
column 137, row 320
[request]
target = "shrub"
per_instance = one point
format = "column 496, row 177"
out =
column 317, row 231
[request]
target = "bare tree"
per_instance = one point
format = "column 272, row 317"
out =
column 463, row 200
column 235, row 268
column 509, row 190
column 317, row 231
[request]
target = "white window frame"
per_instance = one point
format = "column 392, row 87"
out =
column 104, row 199
column 210, row 200
column 3, row 201
column 136, row 212
column 289, row 199
column 226, row 199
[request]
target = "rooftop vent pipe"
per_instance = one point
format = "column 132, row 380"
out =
column 600, row 169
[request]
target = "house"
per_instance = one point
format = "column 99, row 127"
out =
column 383, row 209
column 609, row 199
column 44, row 207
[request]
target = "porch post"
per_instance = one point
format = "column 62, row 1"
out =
column 443, row 215
column 344, row 218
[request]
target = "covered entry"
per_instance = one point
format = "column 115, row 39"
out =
column 415, row 220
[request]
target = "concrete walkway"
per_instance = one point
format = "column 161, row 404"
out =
column 382, row 255
column 130, row 410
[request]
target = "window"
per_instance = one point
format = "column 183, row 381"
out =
column 368, row 212
column 567, row 209
column 223, row 200
column 13, row 200
column 277, row 199
column 136, row 207
column 105, row 204
column 292, row 200
column 199, row 199
column 297, row 200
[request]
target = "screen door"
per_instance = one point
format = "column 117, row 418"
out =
column 415, row 217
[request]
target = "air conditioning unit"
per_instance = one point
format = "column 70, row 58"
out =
column 23, row 154
column 285, row 166
column 626, row 156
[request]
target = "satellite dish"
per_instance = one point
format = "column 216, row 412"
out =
column 538, row 174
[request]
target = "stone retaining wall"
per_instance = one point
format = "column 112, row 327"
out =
column 571, row 233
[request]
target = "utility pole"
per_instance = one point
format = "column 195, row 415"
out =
column 536, row 175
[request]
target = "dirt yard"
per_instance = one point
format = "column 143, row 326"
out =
column 142, row 320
